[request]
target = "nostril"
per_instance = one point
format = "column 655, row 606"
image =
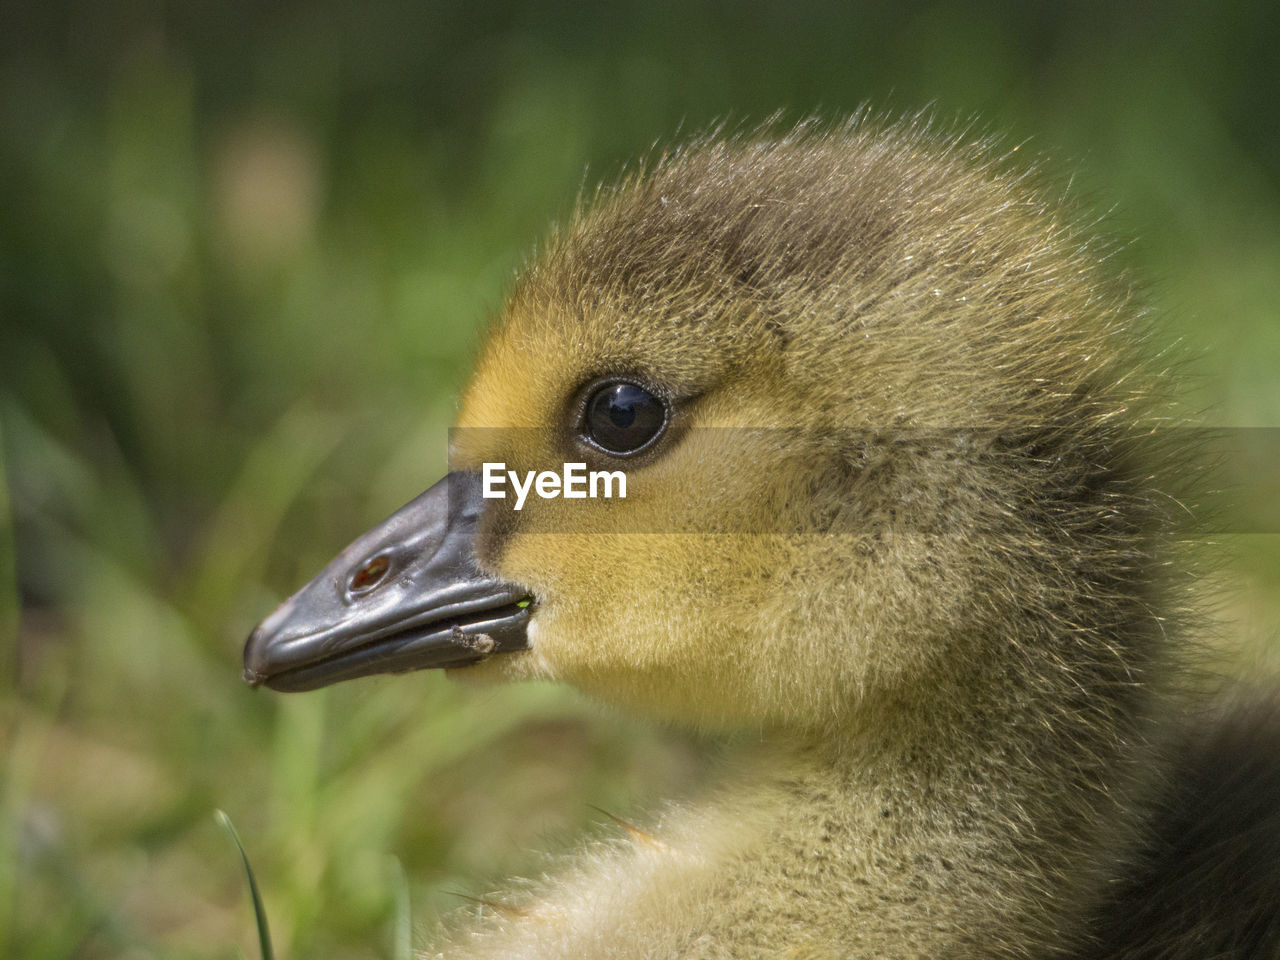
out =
column 370, row 575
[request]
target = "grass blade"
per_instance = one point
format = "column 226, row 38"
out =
column 402, row 932
column 8, row 576
column 259, row 912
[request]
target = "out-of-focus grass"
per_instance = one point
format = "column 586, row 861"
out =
column 248, row 253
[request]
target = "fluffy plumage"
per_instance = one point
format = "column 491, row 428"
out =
column 902, row 532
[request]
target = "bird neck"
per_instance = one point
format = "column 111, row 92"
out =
column 974, row 796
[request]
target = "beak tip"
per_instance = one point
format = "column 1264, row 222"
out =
column 253, row 674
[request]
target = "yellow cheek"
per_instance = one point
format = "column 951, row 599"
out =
column 634, row 619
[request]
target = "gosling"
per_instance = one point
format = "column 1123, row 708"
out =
column 885, row 417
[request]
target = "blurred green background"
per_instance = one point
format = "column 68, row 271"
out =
column 247, row 251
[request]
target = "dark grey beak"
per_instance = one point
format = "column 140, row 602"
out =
column 407, row 595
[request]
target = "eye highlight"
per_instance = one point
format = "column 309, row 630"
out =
column 621, row 417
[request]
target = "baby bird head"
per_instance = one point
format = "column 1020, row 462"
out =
column 872, row 394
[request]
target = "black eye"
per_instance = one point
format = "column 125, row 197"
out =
column 623, row 418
